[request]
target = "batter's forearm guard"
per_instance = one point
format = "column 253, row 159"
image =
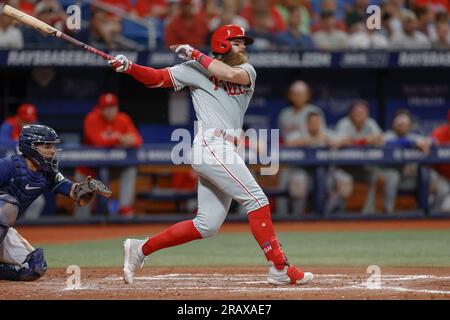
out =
column 201, row 58
column 152, row 78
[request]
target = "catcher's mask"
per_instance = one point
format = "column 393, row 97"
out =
column 220, row 40
column 38, row 143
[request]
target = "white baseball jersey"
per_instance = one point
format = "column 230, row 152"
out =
column 218, row 104
column 223, row 175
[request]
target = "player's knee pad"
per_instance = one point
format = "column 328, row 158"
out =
column 34, row 267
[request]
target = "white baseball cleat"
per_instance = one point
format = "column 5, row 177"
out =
column 133, row 258
column 289, row 275
column 307, row 277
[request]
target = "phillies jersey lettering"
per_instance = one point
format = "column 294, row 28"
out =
column 217, row 103
column 231, row 88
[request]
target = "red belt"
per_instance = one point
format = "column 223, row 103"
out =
column 228, row 137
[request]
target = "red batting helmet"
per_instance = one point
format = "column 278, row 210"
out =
column 220, row 43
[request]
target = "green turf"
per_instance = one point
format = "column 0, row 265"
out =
column 386, row 248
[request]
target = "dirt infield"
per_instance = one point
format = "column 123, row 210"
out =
column 229, row 282
column 67, row 234
column 234, row 283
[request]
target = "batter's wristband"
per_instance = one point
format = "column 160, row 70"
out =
column 201, row 58
column 128, row 70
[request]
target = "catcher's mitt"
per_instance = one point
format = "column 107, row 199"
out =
column 84, row 191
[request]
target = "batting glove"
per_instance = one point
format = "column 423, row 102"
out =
column 185, row 52
column 120, row 63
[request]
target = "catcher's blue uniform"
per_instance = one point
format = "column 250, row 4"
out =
column 25, row 185
column 19, row 187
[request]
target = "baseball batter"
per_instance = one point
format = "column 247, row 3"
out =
column 221, row 89
column 23, row 178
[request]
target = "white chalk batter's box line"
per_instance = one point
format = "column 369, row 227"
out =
column 250, row 277
column 190, row 279
column 331, row 275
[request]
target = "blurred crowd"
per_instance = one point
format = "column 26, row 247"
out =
column 275, row 24
column 303, row 125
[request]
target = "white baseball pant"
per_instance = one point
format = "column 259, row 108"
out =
column 223, row 176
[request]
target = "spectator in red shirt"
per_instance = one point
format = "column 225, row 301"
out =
column 10, row 129
column 186, row 27
column 106, row 127
column 256, row 8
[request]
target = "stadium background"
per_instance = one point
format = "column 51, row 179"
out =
column 65, row 84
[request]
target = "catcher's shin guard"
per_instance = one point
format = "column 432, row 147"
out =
column 37, row 266
column 9, row 272
column 34, row 268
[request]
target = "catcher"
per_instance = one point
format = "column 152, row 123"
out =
column 23, row 178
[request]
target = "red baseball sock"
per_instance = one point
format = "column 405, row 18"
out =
column 177, row 234
column 261, row 225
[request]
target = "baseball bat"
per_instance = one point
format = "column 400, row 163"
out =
column 47, row 29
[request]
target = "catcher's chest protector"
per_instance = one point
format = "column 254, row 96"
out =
column 25, row 185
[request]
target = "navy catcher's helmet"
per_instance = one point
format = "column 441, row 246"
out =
column 34, row 135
